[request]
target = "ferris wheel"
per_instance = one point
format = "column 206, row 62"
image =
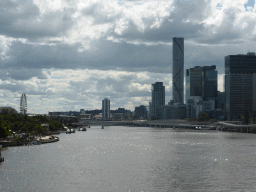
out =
column 23, row 104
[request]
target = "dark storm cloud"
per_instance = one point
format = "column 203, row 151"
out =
column 107, row 55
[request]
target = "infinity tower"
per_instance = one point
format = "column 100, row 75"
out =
column 178, row 70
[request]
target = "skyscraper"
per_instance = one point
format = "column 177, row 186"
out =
column 239, row 83
column 158, row 99
column 201, row 81
column 178, row 70
column 105, row 109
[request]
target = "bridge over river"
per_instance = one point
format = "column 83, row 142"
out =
column 143, row 123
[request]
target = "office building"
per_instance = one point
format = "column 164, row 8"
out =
column 194, row 106
column 220, row 101
column 141, row 111
column 178, row 70
column 174, row 111
column 201, row 81
column 150, row 109
column 158, row 99
column 105, row 109
column 240, row 83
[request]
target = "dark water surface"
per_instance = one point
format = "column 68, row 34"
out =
column 133, row 159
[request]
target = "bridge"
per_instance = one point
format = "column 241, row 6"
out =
column 144, row 123
column 234, row 126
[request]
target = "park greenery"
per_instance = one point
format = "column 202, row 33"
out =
column 13, row 123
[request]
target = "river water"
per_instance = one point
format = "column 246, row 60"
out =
column 133, row 159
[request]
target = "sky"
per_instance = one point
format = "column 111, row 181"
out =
column 71, row 54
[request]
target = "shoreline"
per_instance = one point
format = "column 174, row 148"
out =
column 42, row 140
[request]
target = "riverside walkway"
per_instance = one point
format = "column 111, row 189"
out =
column 235, row 126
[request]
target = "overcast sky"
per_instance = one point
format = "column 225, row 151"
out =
column 71, row 54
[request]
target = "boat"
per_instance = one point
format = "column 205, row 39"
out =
column 35, row 143
column 84, row 129
column 70, row 131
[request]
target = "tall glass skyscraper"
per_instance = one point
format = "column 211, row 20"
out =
column 105, row 109
column 202, row 81
column 158, row 99
column 239, row 83
column 178, row 70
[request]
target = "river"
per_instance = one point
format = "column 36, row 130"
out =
column 133, row 159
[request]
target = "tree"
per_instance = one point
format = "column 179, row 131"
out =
column 203, row 116
column 246, row 118
column 231, row 116
column 4, row 129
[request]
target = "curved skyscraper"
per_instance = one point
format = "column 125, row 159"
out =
column 178, row 70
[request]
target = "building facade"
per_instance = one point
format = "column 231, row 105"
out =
column 220, row 102
column 178, row 70
column 158, row 100
column 202, row 82
column 240, row 83
column 141, row 111
column 105, row 109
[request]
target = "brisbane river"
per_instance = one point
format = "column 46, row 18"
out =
column 117, row 159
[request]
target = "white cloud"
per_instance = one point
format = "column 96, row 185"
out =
column 71, row 54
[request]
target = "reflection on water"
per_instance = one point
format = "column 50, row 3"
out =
column 133, row 159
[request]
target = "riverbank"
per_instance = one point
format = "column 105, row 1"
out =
column 42, row 140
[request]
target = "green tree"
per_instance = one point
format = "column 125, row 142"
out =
column 203, row 116
column 246, row 118
column 4, row 129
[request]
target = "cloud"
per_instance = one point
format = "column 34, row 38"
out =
column 71, row 54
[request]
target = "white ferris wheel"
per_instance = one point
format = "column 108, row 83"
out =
column 23, row 104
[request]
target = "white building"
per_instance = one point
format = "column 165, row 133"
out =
column 195, row 105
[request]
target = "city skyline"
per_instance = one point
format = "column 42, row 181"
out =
column 70, row 55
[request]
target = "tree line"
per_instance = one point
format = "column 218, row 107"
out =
column 11, row 123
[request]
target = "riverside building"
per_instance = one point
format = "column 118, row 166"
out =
column 202, row 81
column 240, row 82
column 178, row 70
column 105, row 109
column 158, row 100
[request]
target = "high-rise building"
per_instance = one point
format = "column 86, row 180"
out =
column 201, row 81
column 220, row 100
column 240, row 82
column 178, row 70
column 158, row 99
column 105, row 109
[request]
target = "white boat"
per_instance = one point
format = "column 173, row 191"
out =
column 70, row 131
